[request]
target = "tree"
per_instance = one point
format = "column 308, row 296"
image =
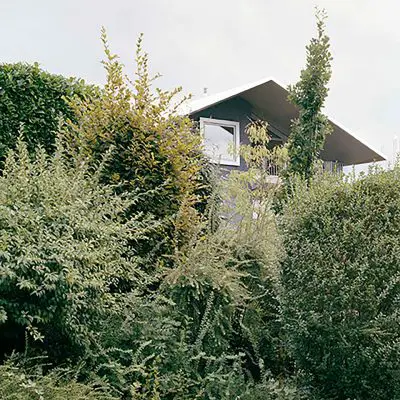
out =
column 247, row 208
column 34, row 101
column 153, row 149
column 309, row 130
column 259, row 157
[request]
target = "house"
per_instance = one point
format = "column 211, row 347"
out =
column 224, row 116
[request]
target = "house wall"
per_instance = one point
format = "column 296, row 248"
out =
column 239, row 110
column 235, row 109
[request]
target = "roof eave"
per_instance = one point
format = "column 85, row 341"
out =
column 201, row 104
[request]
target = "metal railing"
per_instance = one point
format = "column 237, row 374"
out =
column 332, row 167
column 273, row 170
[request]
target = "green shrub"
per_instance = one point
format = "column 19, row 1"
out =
column 33, row 100
column 180, row 341
column 341, row 284
column 21, row 383
column 153, row 353
column 174, row 343
column 63, row 248
column 154, row 149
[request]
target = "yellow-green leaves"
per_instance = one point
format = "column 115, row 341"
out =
column 151, row 149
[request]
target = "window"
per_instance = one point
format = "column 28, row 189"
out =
column 221, row 140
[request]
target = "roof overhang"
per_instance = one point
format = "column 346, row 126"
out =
column 269, row 101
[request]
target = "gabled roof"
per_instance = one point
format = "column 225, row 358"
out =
column 269, row 99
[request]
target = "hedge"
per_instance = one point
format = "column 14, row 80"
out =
column 341, row 278
column 33, row 101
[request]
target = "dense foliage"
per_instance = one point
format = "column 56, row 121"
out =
column 33, row 101
column 198, row 334
column 19, row 382
column 63, row 248
column 309, row 130
column 153, row 148
column 341, row 278
column 128, row 272
column 80, row 278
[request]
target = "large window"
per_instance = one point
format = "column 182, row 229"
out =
column 221, row 140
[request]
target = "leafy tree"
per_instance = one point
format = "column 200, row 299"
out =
column 62, row 251
column 259, row 158
column 153, row 149
column 248, row 198
column 33, row 101
column 341, row 284
column 309, row 130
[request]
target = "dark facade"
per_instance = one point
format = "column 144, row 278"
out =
column 239, row 110
column 236, row 109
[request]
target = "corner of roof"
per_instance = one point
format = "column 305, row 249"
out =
column 208, row 101
column 355, row 136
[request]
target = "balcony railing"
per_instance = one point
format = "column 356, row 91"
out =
column 273, row 170
column 332, row 167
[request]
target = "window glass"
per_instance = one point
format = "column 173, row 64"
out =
column 221, row 140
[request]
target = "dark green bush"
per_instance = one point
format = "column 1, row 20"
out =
column 181, row 341
column 19, row 382
column 149, row 350
column 33, row 100
column 341, row 278
column 63, row 249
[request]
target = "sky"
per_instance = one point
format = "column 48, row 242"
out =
column 221, row 44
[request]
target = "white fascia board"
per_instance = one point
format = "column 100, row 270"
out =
column 208, row 101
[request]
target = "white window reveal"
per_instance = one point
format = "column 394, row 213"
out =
column 221, row 140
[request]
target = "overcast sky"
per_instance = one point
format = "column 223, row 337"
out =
column 220, row 44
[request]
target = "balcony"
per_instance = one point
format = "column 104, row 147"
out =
column 331, row 167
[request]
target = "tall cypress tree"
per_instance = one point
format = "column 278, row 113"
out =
column 309, row 130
